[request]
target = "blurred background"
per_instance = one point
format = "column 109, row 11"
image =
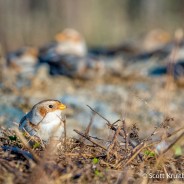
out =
column 33, row 22
column 114, row 58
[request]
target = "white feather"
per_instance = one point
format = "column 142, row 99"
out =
column 51, row 126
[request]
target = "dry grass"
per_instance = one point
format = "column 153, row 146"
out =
column 123, row 158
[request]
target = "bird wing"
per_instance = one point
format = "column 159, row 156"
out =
column 34, row 117
column 22, row 122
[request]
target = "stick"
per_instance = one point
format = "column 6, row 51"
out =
column 111, row 126
column 64, row 122
column 89, row 125
column 126, row 134
column 114, row 140
column 89, row 139
column 136, row 152
column 99, row 114
column 108, row 122
column 171, row 145
column 82, row 139
column 24, row 142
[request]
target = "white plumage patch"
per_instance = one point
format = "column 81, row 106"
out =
column 51, row 125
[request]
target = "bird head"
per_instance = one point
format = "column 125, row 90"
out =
column 47, row 106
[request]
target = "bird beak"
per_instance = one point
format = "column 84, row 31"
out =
column 62, row 106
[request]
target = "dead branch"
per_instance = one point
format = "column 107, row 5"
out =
column 111, row 126
column 172, row 144
column 137, row 151
column 99, row 115
column 64, row 122
column 89, row 139
column 88, row 128
column 114, row 140
column 126, row 134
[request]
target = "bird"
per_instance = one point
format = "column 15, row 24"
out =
column 68, row 55
column 24, row 61
column 67, row 42
column 70, row 41
column 45, row 120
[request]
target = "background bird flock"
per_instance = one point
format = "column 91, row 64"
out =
column 123, row 90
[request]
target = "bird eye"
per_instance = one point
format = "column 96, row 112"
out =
column 50, row 106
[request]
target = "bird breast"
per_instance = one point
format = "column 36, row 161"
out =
column 52, row 118
column 51, row 125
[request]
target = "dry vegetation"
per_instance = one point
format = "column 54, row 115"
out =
column 123, row 157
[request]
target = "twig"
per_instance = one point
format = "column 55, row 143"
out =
column 89, row 139
column 126, row 134
column 64, row 122
column 88, row 128
column 141, row 147
column 89, row 125
column 176, row 131
column 111, row 126
column 171, row 145
column 96, row 138
column 153, row 133
column 99, row 115
column 116, row 122
column 82, row 139
column 90, row 156
column 114, row 140
column 36, row 158
column 165, row 138
column 137, row 148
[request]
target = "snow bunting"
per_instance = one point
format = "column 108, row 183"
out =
column 45, row 120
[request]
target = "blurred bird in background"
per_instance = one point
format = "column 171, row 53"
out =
column 23, row 61
column 70, row 42
column 68, row 55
